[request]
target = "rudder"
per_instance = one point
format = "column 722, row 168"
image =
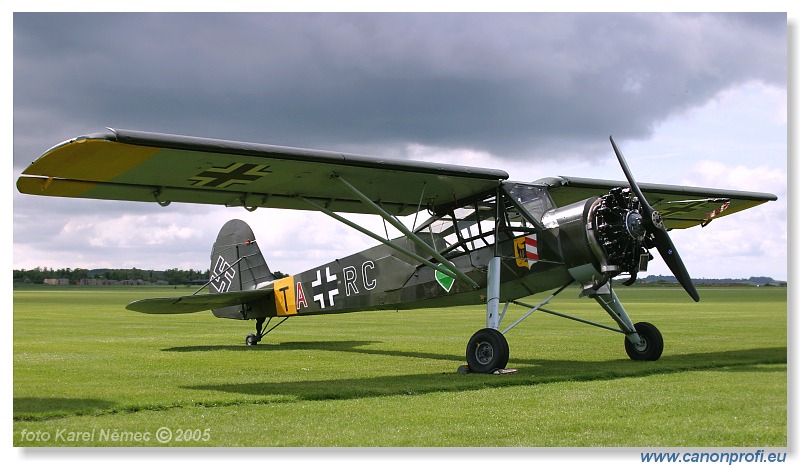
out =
column 236, row 265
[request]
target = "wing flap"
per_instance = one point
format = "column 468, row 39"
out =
column 196, row 303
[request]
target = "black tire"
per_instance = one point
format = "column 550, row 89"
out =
column 487, row 351
column 251, row 339
column 652, row 343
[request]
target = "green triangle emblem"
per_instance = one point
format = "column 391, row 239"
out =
column 446, row 281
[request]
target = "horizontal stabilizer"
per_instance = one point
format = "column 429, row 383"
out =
column 195, row 303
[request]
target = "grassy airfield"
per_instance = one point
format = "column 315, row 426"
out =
column 87, row 372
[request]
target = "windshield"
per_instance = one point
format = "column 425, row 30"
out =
column 534, row 199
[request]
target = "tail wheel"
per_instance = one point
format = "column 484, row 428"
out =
column 487, row 351
column 251, row 339
column 651, row 345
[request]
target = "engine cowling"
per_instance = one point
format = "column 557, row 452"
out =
column 601, row 237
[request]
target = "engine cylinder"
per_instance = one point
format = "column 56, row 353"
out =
column 600, row 237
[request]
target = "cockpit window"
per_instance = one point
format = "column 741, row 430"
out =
column 474, row 226
column 532, row 198
column 462, row 230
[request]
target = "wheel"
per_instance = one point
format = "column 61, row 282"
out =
column 251, row 339
column 651, row 346
column 487, row 351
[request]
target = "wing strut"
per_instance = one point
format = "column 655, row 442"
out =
column 447, row 267
column 403, row 229
column 374, row 236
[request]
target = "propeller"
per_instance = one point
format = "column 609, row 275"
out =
column 654, row 226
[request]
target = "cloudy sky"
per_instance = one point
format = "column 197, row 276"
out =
column 694, row 99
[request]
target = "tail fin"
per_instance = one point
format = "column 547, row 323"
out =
column 236, row 265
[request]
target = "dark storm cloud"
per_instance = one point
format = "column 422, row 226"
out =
column 509, row 84
column 518, row 86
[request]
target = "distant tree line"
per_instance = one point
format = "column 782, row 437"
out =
column 74, row 276
column 756, row 281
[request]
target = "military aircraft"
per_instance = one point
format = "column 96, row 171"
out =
column 487, row 240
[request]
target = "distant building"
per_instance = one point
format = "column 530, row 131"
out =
column 56, row 281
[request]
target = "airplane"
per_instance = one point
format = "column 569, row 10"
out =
column 487, row 240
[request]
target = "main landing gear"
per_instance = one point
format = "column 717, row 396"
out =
column 488, row 351
column 254, row 339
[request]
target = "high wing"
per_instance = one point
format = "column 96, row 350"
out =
column 151, row 167
column 195, row 303
column 679, row 206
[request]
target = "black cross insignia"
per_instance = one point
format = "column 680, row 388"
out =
column 234, row 173
column 325, row 288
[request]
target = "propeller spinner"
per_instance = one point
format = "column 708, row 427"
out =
column 656, row 232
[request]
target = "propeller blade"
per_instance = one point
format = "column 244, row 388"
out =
column 673, row 260
column 648, row 219
column 660, row 236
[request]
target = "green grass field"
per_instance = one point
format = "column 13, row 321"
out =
column 87, row 372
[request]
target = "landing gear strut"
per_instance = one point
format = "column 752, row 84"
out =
column 487, row 349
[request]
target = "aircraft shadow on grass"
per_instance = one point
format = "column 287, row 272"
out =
column 351, row 346
column 530, row 372
column 58, row 405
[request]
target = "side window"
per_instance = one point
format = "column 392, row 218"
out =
column 476, row 225
column 441, row 234
column 463, row 230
